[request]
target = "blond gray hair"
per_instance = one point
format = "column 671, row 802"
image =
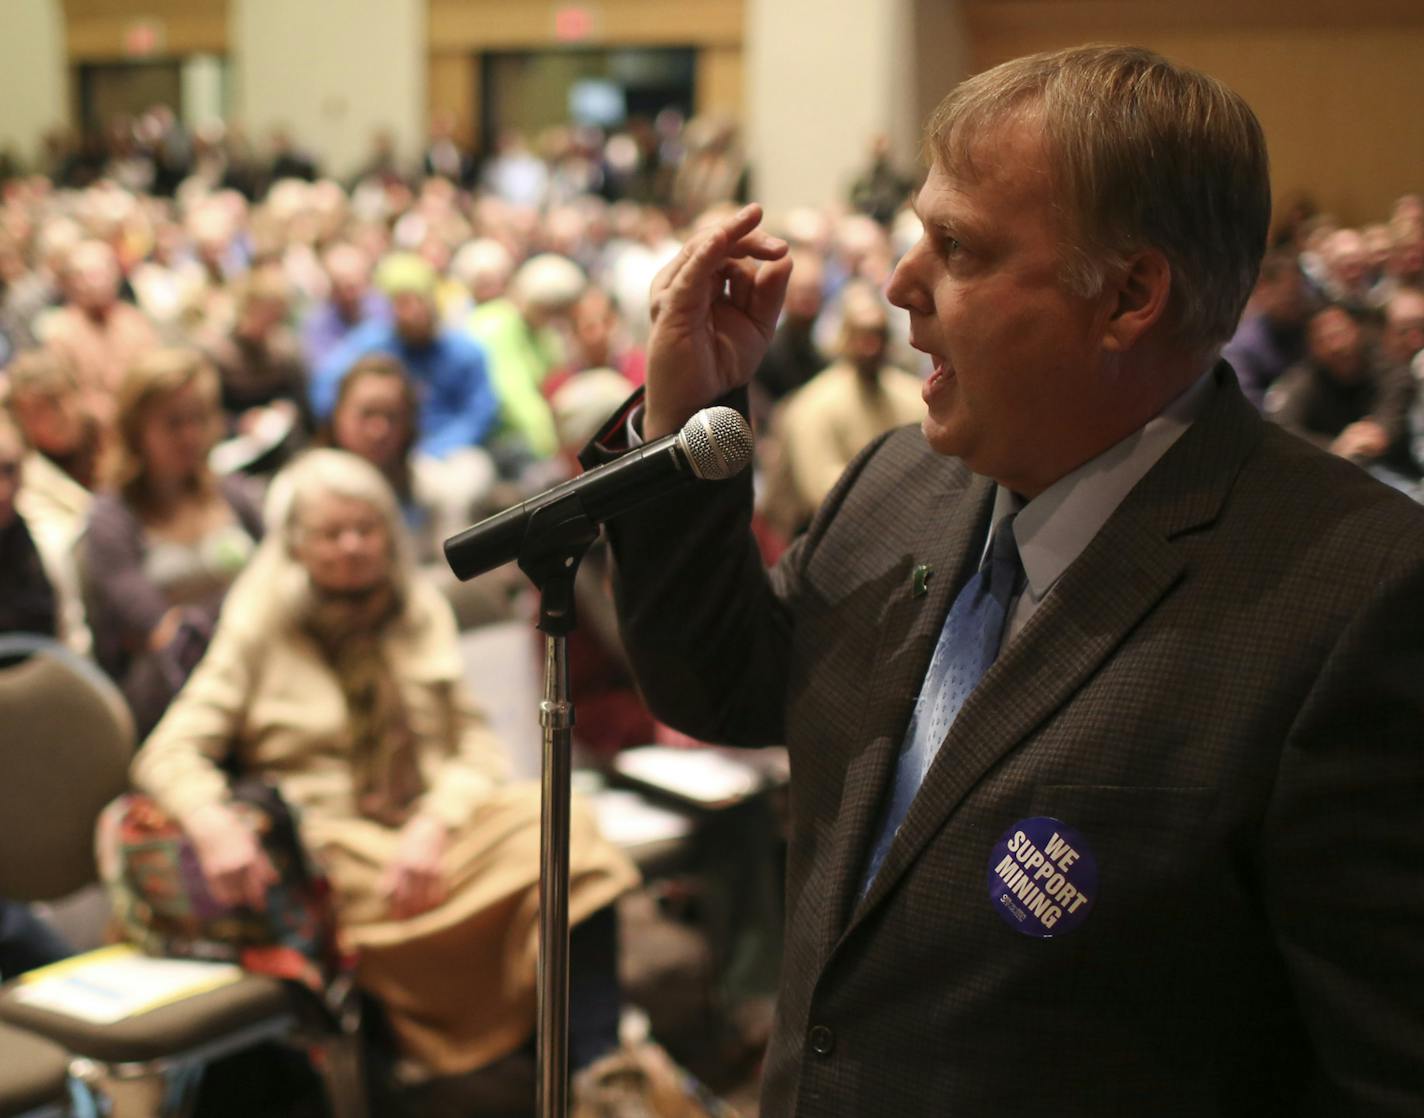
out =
column 154, row 377
column 1144, row 154
column 548, row 282
column 318, row 473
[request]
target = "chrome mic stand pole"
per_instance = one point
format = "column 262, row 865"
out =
column 556, row 715
column 555, row 541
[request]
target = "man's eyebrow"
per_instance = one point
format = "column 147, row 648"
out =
column 960, row 225
column 938, row 223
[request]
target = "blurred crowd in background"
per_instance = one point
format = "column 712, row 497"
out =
column 465, row 324
column 465, row 331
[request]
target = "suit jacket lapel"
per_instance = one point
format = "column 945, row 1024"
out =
column 907, row 639
column 1124, row 572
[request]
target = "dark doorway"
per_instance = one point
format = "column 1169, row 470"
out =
column 529, row 91
column 112, row 90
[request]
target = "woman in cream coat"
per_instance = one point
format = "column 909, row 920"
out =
column 337, row 675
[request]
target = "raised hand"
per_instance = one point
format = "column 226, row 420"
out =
column 714, row 309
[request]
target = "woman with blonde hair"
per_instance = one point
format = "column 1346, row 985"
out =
column 168, row 537
column 335, row 674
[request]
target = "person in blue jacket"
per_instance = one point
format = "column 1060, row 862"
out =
column 458, row 404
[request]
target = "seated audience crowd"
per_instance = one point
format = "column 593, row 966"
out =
column 335, row 673
column 379, row 364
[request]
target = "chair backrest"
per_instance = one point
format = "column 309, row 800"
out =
column 66, row 739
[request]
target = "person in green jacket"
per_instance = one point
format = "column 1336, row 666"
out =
column 522, row 345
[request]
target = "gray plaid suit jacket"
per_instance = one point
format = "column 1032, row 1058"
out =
column 1224, row 695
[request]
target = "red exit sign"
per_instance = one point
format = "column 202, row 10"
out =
column 143, row 37
column 573, row 24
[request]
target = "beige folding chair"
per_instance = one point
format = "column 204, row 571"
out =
column 64, row 751
column 35, row 1078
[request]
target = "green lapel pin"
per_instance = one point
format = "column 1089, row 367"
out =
column 920, row 580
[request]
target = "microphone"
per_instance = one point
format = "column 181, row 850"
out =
column 714, row 444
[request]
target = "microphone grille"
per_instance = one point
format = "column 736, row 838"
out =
column 717, row 443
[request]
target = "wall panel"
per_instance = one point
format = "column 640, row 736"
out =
column 333, row 73
column 459, row 30
column 96, row 29
column 719, row 81
column 454, row 88
column 475, row 25
column 1339, row 87
column 33, row 92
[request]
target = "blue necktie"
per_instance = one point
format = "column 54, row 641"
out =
column 967, row 645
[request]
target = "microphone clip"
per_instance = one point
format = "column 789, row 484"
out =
column 555, row 541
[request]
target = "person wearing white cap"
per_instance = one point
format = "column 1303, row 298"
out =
column 523, row 349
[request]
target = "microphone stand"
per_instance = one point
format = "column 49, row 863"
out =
column 553, row 538
column 555, row 542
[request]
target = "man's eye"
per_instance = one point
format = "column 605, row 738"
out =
column 944, row 243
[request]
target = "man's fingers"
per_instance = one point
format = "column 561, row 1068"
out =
column 700, row 245
column 704, row 254
column 702, row 264
column 759, row 244
column 711, row 246
column 768, row 293
column 668, row 272
column 740, row 224
column 741, row 277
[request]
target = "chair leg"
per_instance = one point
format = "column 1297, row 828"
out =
column 181, row 1094
column 343, row 1073
column 86, row 1096
column 132, row 1093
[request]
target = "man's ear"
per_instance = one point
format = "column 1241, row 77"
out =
column 1141, row 292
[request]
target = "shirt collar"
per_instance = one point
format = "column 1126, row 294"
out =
column 1053, row 529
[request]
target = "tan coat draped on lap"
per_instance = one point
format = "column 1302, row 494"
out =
column 457, row 981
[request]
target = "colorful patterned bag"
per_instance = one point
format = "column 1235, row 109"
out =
column 161, row 898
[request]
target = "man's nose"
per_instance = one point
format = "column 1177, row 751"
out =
column 905, row 289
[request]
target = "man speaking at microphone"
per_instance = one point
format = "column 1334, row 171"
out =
column 1104, row 700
